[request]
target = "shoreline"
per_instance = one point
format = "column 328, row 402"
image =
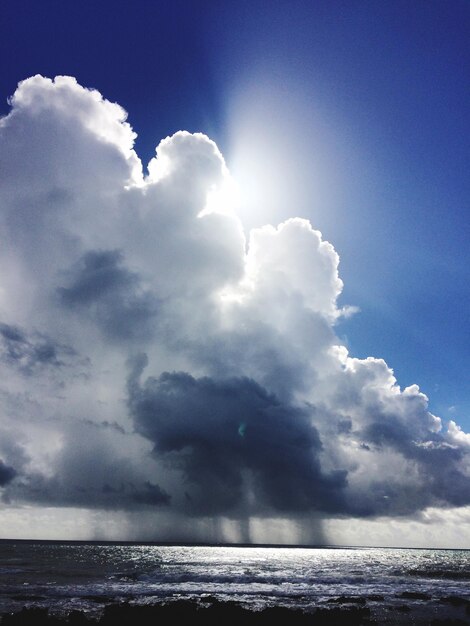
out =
column 340, row 611
column 184, row 612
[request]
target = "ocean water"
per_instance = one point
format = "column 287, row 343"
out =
column 394, row 583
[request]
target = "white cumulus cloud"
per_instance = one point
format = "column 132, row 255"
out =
column 154, row 362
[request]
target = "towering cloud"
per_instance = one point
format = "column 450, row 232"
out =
column 154, row 360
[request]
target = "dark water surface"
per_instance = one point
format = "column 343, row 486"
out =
column 398, row 585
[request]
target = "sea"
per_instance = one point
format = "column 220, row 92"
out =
column 398, row 585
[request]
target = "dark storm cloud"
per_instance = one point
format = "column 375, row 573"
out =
column 231, row 437
column 105, row 424
column 56, row 491
column 100, row 286
column 438, row 463
column 29, row 352
column 150, row 494
column 7, row 474
column 97, row 274
column 91, row 470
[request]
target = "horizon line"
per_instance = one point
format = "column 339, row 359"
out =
column 197, row 544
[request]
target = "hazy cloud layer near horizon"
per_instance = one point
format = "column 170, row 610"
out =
column 153, row 358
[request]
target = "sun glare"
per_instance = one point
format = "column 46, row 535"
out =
column 223, row 198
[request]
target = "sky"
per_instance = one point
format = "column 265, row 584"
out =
column 234, row 291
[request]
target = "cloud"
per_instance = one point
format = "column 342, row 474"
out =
column 28, row 353
column 250, row 408
column 7, row 474
column 111, row 295
column 90, row 468
column 237, row 445
column 55, row 492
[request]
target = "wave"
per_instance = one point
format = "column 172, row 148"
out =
column 445, row 574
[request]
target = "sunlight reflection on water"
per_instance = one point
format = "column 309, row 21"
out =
column 87, row 576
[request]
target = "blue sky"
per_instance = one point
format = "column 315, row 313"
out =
column 353, row 115
column 370, row 101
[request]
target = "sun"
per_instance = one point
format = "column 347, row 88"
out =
column 223, row 197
